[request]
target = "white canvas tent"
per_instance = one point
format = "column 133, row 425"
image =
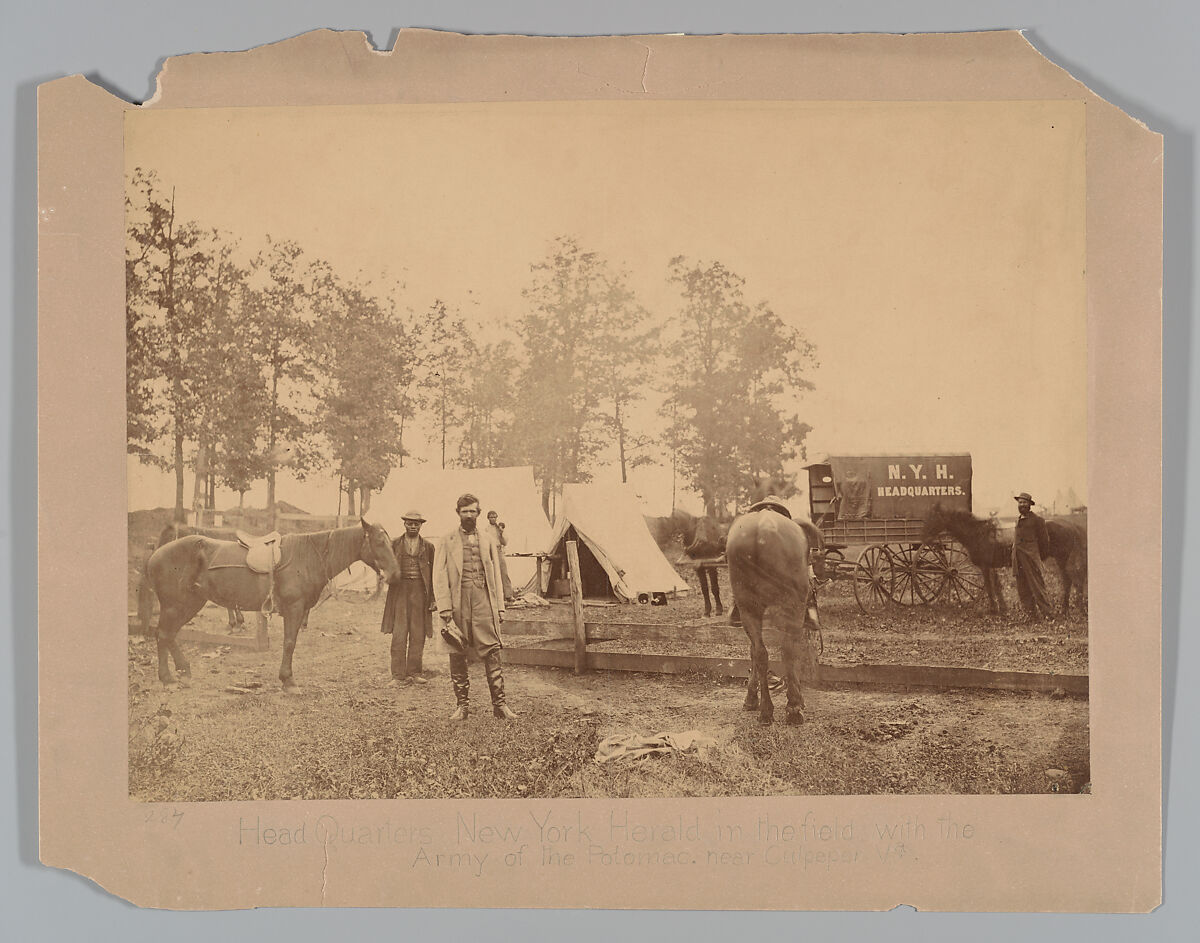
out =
column 618, row 556
column 433, row 491
column 357, row 578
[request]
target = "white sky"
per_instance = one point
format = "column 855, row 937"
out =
column 933, row 252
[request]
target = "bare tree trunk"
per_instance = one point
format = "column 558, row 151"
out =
column 621, row 441
column 364, row 499
column 350, row 489
column 271, row 450
column 179, row 515
column 443, row 417
column 199, row 484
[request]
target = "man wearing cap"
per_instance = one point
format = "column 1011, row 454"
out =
column 496, row 531
column 470, row 601
column 1030, row 545
column 408, row 612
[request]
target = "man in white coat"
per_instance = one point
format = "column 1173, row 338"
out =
column 469, row 594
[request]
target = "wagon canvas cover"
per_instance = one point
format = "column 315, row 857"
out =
column 900, row 486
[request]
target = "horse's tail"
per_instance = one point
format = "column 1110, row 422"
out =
column 816, row 539
column 1068, row 546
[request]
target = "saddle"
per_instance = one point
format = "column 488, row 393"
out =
column 262, row 553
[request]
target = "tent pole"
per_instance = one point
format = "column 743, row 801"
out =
column 577, row 607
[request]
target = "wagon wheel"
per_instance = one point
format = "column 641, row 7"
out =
column 919, row 575
column 959, row 581
column 873, row 576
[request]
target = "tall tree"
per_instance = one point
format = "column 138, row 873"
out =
column 242, row 402
column 626, row 358
column 447, row 360
column 281, row 321
column 582, row 338
column 165, row 265
column 737, row 373
column 367, row 364
column 488, row 408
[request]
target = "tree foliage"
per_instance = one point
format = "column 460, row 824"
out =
column 366, row 363
column 239, row 356
column 737, row 372
column 587, row 351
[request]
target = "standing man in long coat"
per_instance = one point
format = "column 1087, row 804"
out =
column 408, row 612
column 470, row 601
column 1030, row 545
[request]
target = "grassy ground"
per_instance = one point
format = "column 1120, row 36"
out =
column 234, row 735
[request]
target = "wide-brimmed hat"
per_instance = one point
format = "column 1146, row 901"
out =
column 1027, row 496
column 413, row 516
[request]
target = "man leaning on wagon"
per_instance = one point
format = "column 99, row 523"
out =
column 470, row 601
column 1030, row 545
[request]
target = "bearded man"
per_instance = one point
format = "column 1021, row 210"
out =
column 469, row 594
column 1030, row 545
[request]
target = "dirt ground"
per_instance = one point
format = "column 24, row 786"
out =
column 922, row 635
column 233, row 734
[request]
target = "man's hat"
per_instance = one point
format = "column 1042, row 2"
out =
column 1026, row 495
column 453, row 636
column 413, row 516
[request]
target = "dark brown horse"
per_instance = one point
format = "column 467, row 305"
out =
column 679, row 526
column 768, row 556
column 992, row 553
column 706, row 545
column 187, row 573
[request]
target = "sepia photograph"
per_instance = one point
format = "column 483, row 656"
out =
column 607, row 449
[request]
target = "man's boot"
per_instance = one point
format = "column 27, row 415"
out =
column 462, row 686
column 495, row 680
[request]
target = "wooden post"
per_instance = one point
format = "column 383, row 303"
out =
column 260, row 637
column 577, row 607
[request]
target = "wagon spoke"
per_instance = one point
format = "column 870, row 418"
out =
column 918, row 578
column 873, row 575
column 959, row 581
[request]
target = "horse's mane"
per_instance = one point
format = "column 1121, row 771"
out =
column 324, row 551
column 960, row 524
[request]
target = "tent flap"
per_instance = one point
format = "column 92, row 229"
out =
column 608, row 519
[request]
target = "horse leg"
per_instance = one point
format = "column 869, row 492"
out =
column 759, row 666
column 715, row 576
column 171, row 619
column 702, row 575
column 1065, row 576
column 795, row 640
column 751, row 701
column 294, row 617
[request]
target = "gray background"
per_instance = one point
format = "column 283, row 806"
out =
column 1142, row 56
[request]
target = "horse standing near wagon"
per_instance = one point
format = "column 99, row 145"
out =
column 768, row 556
column 991, row 553
column 187, row 573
